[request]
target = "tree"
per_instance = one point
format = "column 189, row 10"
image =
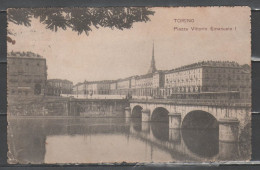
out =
column 81, row 19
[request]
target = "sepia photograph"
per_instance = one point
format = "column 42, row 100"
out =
column 128, row 84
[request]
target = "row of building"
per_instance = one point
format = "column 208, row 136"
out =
column 208, row 79
column 27, row 75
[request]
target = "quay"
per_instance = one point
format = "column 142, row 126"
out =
column 230, row 117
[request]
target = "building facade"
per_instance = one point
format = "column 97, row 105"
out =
column 144, row 85
column 124, row 86
column 113, row 88
column 75, row 89
column 92, row 88
column 103, row 87
column 209, row 79
column 27, row 73
column 56, row 87
column 82, row 88
column 202, row 80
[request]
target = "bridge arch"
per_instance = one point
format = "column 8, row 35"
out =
column 199, row 119
column 137, row 111
column 160, row 114
column 200, row 133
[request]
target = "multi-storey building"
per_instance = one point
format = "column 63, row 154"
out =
column 144, row 85
column 245, row 82
column 92, row 88
column 205, row 80
column 103, row 87
column 208, row 79
column 183, row 80
column 150, row 84
column 158, row 83
column 113, row 88
column 57, row 86
column 27, row 73
column 133, row 85
column 124, row 86
column 98, row 87
column 75, row 89
column 82, row 88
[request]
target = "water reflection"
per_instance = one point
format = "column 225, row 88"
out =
column 136, row 123
column 203, row 142
column 175, row 135
column 160, row 130
column 85, row 140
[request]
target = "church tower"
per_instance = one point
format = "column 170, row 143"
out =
column 152, row 68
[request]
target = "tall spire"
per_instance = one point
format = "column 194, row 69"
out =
column 152, row 68
column 153, row 52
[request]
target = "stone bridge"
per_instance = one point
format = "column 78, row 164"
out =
column 229, row 116
column 185, row 148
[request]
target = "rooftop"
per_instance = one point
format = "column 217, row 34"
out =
column 27, row 54
column 149, row 75
column 59, row 80
column 205, row 64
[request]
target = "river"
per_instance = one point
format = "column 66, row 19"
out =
column 94, row 140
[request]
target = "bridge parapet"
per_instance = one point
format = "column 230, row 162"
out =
column 203, row 102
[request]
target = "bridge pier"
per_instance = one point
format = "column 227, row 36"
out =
column 228, row 150
column 175, row 135
column 127, row 114
column 228, row 130
column 146, row 115
column 174, row 120
column 145, row 127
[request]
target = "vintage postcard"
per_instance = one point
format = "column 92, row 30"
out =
column 129, row 84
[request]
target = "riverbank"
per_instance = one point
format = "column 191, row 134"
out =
column 65, row 106
column 16, row 99
column 59, row 117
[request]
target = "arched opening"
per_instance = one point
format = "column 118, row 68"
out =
column 199, row 120
column 160, row 123
column 160, row 130
column 37, row 89
column 160, row 114
column 137, row 112
column 137, row 118
column 200, row 133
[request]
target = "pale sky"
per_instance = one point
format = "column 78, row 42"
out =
column 112, row 54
